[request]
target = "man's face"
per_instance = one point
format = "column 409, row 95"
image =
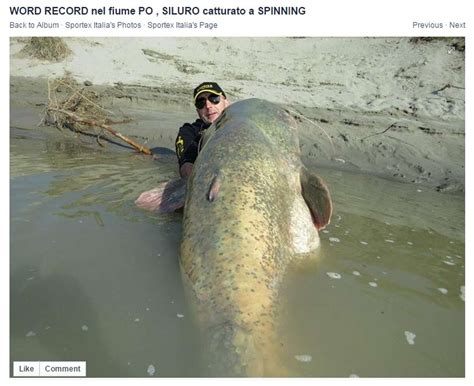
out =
column 210, row 111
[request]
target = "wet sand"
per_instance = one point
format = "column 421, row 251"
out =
column 391, row 107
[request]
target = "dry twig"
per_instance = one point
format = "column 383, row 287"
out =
column 382, row 132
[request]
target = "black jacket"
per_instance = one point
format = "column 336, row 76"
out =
column 187, row 141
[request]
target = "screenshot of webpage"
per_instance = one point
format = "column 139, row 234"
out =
column 223, row 190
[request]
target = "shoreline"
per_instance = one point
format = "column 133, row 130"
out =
column 360, row 112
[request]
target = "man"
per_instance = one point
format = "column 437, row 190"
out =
column 210, row 100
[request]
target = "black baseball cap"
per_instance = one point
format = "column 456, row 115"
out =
column 211, row 87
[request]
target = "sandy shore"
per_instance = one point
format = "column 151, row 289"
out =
column 393, row 107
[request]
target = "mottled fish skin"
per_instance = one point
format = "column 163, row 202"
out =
column 239, row 234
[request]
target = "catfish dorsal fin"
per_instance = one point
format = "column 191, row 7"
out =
column 317, row 197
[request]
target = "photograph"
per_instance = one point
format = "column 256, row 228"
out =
column 281, row 206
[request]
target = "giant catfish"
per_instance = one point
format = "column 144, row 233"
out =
column 250, row 207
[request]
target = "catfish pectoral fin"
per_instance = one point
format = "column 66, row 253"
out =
column 165, row 198
column 214, row 187
column 317, row 197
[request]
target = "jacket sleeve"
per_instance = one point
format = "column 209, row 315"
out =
column 186, row 144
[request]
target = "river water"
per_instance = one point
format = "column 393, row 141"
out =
column 95, row 279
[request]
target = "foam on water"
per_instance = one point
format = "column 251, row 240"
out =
column 462, row 295
column 151, row 370
column 304, row 358
column 410, row 337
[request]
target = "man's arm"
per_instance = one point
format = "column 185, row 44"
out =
column 186, row 149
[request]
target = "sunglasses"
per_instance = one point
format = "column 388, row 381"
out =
column 201, row 102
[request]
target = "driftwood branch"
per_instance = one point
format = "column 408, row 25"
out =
column 92, row 122
column 81, row 107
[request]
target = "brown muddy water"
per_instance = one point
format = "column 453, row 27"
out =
column 95, row 279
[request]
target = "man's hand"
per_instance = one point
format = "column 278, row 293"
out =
column 186, row 169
